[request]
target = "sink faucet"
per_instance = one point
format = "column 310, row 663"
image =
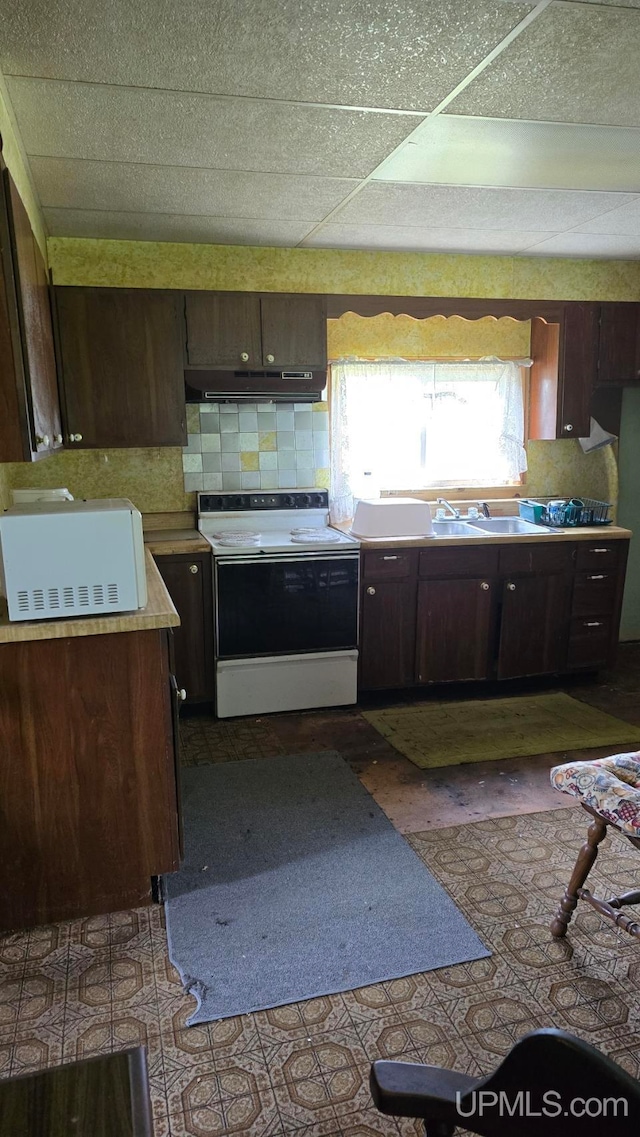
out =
column 484, row 509
column 454, row 512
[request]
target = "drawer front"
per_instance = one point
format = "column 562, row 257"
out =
column 594, row 593
column 392, row 564
column 458, row 562
column 589, row 643
column 536, row 558
column 597, row 556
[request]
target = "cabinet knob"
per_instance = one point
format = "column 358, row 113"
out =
column 270, row 359
column 75, row 438
column 484, row 586
column 511, row 587
column 371, row 591
column 57, row 438
column 244, row 356
column 193, row 569
column 568, row 427
column 43, row 439
column 182, row 694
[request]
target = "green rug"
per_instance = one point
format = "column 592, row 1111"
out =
column 449, row 734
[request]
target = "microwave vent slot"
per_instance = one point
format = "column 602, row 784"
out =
column 54, row 600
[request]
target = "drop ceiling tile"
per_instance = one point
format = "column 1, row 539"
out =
column 173, row 227
column 472, row 207
column 575, row 63
column 406, row 55
column 118, row 186
column 125, row 124
column 587, row 245
column 416, row 239
column 506, row 152
column 624, row 221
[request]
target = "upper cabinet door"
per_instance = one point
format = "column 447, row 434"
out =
column 37, row 331
column 619, row 351
column 223, row 330
column 121, row 354
column 294, row 331
column 578, row 368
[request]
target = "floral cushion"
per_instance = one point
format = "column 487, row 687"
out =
column 611, row 786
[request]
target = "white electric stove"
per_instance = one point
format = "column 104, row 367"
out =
column 285, row 602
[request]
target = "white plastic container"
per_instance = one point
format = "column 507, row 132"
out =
column 392, row 517
column 22, row 496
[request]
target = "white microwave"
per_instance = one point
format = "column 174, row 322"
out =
column 72, row 558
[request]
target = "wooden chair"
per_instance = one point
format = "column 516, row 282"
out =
column 609, row 790
column 550, row 1084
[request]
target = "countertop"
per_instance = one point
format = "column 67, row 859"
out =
column 588, row 533
column 159, row 613
column 167, row 541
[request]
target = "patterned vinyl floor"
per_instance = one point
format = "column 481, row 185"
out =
column 99, row 985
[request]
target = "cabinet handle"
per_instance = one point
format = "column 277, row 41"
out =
column 597, row 576
column 568, row 427
column 75, row 438
column 244, row 356
column 484, row 586
column 371, row 591
column 43, row 439
column 193, row 569
column 270, row 359
column 599, row 550
column 593, row 623
column 511, row 587
column 182, row 694
column 391, row 558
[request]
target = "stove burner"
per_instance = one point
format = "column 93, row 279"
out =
column 314, row 537
column 238, row 540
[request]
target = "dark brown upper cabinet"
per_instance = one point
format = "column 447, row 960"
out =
column 30, row 425
column 121, row 363
column 564, row 370
column 619, row 349
column 245, row 330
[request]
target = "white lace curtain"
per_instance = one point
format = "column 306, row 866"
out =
column 418, row 424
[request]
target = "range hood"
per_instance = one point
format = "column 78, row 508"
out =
column 298, row 386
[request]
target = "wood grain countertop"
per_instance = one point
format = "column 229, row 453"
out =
column 159, row 613
column 588, row 533
column 164, row 542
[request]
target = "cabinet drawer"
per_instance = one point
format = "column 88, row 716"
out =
column 458, row 562
column 598, row 556
column 589, row 643
column 392, row 564
column 594, row 593
column 536, row 558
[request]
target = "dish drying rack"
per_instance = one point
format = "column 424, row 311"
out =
column 573, row 513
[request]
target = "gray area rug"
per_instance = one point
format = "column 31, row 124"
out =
column 295, row 884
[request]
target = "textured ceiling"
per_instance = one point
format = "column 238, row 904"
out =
column 466, row 125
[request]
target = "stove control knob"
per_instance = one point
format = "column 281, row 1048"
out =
column 305, row 499
column 288, row 501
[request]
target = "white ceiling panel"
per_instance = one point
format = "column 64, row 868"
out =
column 415, row 239
column 505, row 152
column 468, row 207
column 121, row 187
column 173, row 227
column 575, row 63
column 407, row 55
column 587, row 245
column 624, row 221
column 125, row 124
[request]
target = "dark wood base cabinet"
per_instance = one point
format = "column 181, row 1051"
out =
column 189, row 584
column 88, row 805
column 451, row 614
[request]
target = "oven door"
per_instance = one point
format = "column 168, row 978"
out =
column 281, row 605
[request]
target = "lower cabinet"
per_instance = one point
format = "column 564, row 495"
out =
column 450, row 614
column 88, row 801
column 189, row 583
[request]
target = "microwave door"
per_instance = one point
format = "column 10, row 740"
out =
column 281, row 606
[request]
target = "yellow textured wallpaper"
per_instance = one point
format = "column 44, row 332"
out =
column 13, row 157
column 149, row 264
column 387, row 336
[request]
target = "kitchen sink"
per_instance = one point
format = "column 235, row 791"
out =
column 454, row 529
column 506, row 525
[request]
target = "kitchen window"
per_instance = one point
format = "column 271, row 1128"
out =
column 418, row 425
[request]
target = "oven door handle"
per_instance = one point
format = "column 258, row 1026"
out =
column 285, row 559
